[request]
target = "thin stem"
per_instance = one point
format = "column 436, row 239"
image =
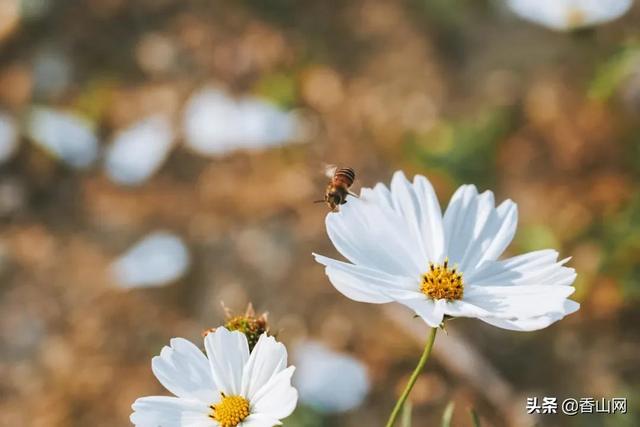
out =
column 475, row 419
column 414, row 377
column 405, row 418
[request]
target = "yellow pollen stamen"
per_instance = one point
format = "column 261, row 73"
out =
column 440, row 282
column 230, row 411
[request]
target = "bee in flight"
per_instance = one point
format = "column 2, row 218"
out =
column 338, row 187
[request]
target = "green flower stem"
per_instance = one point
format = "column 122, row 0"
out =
column 414, row 377
column 475, row 419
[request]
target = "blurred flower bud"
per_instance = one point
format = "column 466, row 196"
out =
column 248, row 323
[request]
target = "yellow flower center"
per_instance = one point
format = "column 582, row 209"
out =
column 230, row 411
column 440, row 282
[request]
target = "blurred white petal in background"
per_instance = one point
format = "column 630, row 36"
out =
column 215, row 123
column 569, row 14
column 158, row 259
column 65, row 136
column 8, row 137
column 137, row 152
column 328, row 381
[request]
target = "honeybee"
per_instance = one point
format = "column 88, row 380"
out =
column 338, row 187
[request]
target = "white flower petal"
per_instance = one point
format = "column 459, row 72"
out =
column 459, row 221
column 184, row 370
column 495, row 235
column 368, row 285
column 419, row 206
column 165, row 411
column 432, row 312
column 259, row 420
column 481, row 220
column 516, row 302
column 277, row 398
column 533, row 323
column 371, row 235
column 432, row 227
column 228, row 353
column 477, row 231
column 534, row 268
column 569, row 14
column 379, row 194
column 267, row 359
column 405, row 204
column 463, row 308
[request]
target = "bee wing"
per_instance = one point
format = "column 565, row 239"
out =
column 330, row 170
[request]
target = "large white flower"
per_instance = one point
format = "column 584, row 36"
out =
column 231, row 387
column 401, row 248
column 569, row 14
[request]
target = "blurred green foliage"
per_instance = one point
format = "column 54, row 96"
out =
column 305, row 416
column 620, row 236
column 533, row 237
column 279, row 88
column 612, row 72
column 464, row 149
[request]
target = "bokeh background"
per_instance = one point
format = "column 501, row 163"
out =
column 461, row 91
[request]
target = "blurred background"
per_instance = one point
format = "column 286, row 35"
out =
column 160, row 156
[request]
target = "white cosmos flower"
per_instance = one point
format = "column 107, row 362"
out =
column 229, row 387
column 569, row 14
column 401, row 248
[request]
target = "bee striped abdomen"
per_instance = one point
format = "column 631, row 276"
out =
column 345, row 176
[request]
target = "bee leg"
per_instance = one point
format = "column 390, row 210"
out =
column 351, row 193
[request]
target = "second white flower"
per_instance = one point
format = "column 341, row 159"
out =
column 402, row 248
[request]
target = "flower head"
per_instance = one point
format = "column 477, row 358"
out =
column 251, row 325
column 401, row 248
column 569, row 14
column 229, row 387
